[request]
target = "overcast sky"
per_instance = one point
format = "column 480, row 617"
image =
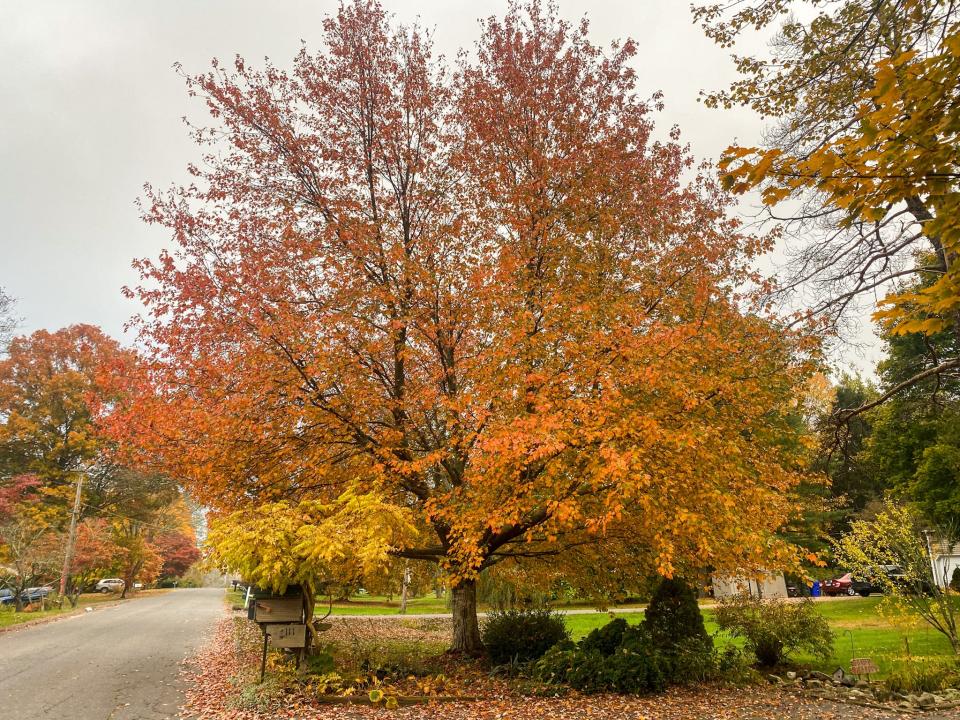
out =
column 90, row 109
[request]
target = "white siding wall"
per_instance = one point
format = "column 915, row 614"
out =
column 943, row 567
column 771, row 586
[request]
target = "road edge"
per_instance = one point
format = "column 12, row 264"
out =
column 79, row 611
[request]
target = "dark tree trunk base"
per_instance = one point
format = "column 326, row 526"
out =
column 466, row 629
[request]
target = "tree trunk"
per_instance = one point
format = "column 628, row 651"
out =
column 466, row 630
column 405, row 586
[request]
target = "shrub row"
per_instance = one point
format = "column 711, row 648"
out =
column 670, row 646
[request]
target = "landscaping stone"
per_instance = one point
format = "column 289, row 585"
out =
column 875, row 695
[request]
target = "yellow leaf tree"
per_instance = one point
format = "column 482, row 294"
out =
column 863, row 159
column 310, row 543
column 896, row 538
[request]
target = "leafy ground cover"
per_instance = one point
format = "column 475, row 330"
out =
column 862, row 629
column 225, row 685
column 8, row 617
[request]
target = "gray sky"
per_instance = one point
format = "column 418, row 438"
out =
column 90, row 109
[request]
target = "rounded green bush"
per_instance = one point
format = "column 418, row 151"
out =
column 522, row 635
column 605, row 639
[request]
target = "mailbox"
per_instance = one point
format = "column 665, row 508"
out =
column 269, row 607
column 278, row 610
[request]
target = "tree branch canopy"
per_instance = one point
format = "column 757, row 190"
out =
column 466, row 290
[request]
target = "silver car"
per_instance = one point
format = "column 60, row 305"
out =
column 110, row 585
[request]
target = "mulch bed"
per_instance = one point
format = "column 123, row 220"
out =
column 214, row 688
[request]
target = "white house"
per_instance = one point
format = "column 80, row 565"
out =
column 944, row 558
column 768, row 586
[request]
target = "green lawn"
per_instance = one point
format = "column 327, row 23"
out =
column 8, row 616
column 875, row 635
column 581, row 624
column 369, row 605
column 380, row 605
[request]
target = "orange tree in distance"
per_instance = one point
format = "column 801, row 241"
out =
column 482, row 294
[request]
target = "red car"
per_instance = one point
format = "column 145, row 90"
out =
column 842, row 585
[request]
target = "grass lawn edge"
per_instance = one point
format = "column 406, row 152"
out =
column 80, row 609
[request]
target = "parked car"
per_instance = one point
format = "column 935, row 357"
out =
column 35, row 594
column 7, row 597
column 895, row 575
column 842, row 585
column 865, row 588
column 110, row 585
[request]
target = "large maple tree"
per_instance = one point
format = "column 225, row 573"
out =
column 484, row 294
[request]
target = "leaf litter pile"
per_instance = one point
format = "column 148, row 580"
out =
column 223, row 686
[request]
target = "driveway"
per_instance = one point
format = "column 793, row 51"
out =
column 116, row 663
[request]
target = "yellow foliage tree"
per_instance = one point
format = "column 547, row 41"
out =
column 896, row 539
column 867, row 144
column 310, row 543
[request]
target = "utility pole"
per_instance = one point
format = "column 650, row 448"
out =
column 71, row 537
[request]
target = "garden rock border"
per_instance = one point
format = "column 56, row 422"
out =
column 844, row 688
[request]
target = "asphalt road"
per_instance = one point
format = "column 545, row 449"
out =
column 116, row 663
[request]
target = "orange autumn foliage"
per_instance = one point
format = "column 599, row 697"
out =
column 484, row 294
column 56, row 389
